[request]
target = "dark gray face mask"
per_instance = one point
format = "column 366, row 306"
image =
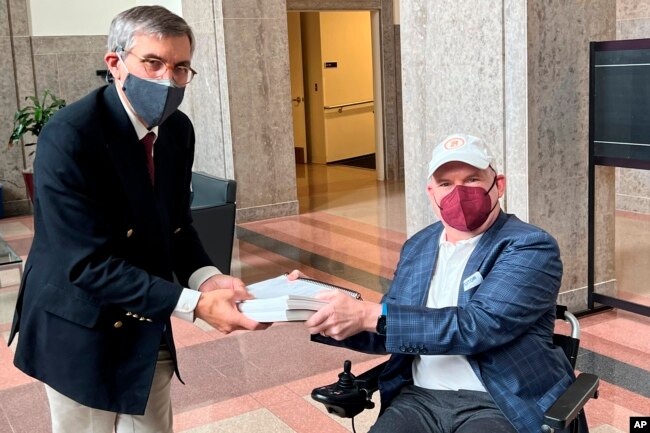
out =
column 153, row 100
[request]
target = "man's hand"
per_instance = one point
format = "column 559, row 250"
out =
column 221, row 281
column 295, row 274
column 219, row 309
column 343, row 316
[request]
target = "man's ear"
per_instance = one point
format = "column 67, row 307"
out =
column 501, row 184
column 113, row 64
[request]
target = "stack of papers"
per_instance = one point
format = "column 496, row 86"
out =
column 281, row 300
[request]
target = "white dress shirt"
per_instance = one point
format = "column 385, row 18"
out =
column 448, row 372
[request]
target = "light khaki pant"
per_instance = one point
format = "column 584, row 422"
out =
column 68, row 416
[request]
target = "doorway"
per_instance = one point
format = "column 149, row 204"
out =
column 336, row 88
column 386, row 99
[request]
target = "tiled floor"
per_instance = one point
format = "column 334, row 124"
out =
column 349, row 233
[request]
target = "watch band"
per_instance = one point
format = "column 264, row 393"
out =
column 381, row 320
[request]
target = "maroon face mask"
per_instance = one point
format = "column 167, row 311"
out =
column 466, row 208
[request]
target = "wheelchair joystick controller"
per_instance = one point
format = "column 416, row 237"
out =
column 346, row 378
column 345, row 397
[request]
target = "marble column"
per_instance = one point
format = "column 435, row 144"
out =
column 240, row 102
column 256, row 41
column 207, row 101
column 516, row 74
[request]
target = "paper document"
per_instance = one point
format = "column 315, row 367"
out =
column 281, row 300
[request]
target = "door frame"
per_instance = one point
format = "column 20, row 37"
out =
column 386, row 83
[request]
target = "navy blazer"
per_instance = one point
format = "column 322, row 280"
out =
column 106, row 243
column 503, row 323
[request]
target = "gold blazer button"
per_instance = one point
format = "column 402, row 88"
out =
column 117, row 324
column 129, row 232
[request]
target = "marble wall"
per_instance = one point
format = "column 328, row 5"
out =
column 12, row 22
column 68, row 65
column 633, row 186
column 524, row 89
column 65, row 65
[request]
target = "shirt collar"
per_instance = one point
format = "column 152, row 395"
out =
column 140, row 129
column 471, row 241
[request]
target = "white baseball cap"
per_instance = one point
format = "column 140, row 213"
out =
column 460, row 147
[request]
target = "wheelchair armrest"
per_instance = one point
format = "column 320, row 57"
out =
column 571, row 402
column 369, row 380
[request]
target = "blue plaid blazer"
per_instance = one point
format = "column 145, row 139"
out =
column 503, row 323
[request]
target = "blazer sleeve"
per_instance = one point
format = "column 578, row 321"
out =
column 520, row 287
column 78, row 225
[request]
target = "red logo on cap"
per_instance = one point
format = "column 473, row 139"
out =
column 454, row 143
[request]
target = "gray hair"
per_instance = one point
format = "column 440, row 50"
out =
column 146, row 20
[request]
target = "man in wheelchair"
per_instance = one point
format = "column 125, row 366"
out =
column 469, row 317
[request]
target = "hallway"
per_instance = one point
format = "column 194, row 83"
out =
column 349, row 233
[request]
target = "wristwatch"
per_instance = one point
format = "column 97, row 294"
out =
column 381, row 320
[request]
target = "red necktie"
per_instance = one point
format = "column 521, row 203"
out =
column 147, row 141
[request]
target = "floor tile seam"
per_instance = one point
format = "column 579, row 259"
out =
column 213, row 407
column 606, row 418
column 14, row 225
column 261, row 253
column 294, row 396
column 329, row 253
column 20, row 237
column 623, row 397
column 365, row 241
column 298, row 424
column 324, row 217
column 615, row 411
column 636, row 216
column 378, row 239
column 316, row 261
column 587, row 341
column 628, row 315
column 331, row 219
column 631, row 296
column 337, row 187
column 20, row 380
column 599, row 369
column 7, row 419
column 596, row 319
column 9, row 289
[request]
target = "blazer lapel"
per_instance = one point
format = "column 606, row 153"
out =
column 164, row 156
column 484, row 247
column 426, row 261
column 129, row 160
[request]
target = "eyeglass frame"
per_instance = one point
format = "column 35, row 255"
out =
column 145, row 60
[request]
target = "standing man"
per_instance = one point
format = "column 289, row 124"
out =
column 112, row 228
column 469, row 317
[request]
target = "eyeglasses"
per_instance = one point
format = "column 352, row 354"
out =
column 156, row 68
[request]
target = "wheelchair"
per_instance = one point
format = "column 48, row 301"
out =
column 351, row 394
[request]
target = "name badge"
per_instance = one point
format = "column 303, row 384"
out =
column 472, row 281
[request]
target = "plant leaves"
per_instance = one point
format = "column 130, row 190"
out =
column 34, row 116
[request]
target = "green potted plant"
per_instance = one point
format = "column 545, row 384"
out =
column 31, row 119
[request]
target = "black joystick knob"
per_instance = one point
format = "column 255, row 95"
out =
column 346, row 378
column 343, row 398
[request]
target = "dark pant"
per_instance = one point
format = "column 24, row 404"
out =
column 418, row 409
